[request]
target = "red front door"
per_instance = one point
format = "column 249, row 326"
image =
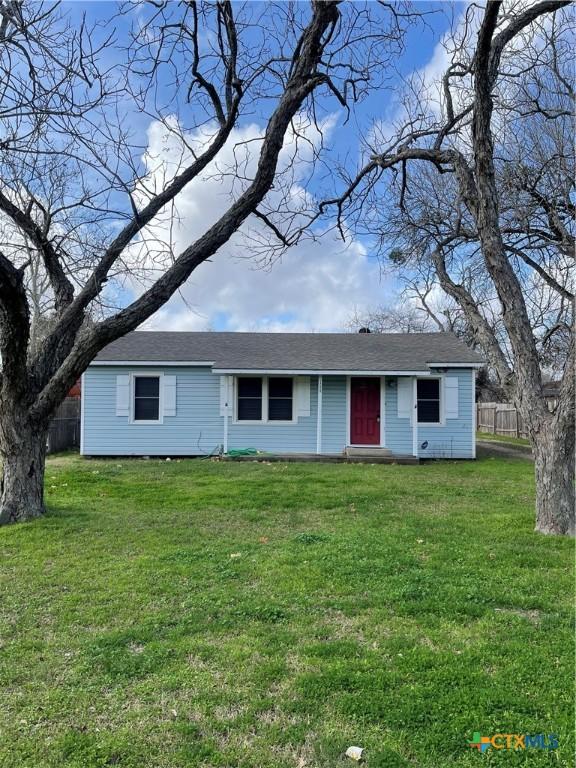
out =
column 365, row 411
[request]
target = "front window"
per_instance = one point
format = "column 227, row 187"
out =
column 428, row 401
column 146, row 398
column 250, row 399
column 280, row 399
column 264, row 398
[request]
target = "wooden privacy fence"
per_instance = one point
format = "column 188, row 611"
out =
column 64, row 430
column 499, row 419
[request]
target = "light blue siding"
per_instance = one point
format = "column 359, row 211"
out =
column 299, row 437
column 195, row 429
column 398, row 432
column 198, row 428
column 334, row 415
column 454, row 439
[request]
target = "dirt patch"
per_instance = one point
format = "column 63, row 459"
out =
column 488, row 448
column 533, row 616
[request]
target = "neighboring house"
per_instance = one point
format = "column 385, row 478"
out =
column 551, row 392
column 187, row 394
column 76, row 390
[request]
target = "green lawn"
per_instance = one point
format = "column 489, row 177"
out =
column 190, row 613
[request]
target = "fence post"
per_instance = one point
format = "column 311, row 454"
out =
column 523, row 433
column 63, row 432
column 494, row 412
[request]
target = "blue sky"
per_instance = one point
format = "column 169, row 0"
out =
column 316, row 286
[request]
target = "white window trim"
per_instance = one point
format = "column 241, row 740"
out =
column 382, row 443
column 442, row 422
column 147, row 374
column 382, row 411
column 264, row 419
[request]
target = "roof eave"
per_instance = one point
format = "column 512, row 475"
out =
column 334, row 371
column 182, row 363
column 456, row 365
column 293, row 371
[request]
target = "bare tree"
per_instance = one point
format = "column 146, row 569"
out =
column 80, row 198
column 421, row 306
column 482, row 186
column 393, row 318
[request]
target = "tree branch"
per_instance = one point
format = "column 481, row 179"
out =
column 14, row 327
column 271, row 226
column 546, row 276
column 301, row 83
column 480, row 327
column 61, row 285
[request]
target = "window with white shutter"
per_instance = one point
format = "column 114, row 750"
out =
column 405, row 391
column 169, row 395
column 123, row 395
column 451, row 397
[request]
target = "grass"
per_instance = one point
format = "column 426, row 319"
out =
column 502, row 438
column 190, row 613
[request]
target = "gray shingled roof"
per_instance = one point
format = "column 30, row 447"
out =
column 293, row 351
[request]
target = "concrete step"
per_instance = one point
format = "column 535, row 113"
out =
column 372, row 452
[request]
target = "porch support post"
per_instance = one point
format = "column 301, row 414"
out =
column 319, row 418
column 475, row 412
column 226, row 412
column 415, row 416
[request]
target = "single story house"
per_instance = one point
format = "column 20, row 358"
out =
column 190, row 394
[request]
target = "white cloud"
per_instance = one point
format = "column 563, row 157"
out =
column 318, row 284
column 315, row 286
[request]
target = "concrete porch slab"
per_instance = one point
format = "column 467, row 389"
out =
column 326, row 458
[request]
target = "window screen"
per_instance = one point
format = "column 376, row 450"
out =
column 250, row 399
column 428, row 401
column 146, row 398
column 280, row 396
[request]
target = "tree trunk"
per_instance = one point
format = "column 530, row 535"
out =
column 22, row 489
column 554, row 468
